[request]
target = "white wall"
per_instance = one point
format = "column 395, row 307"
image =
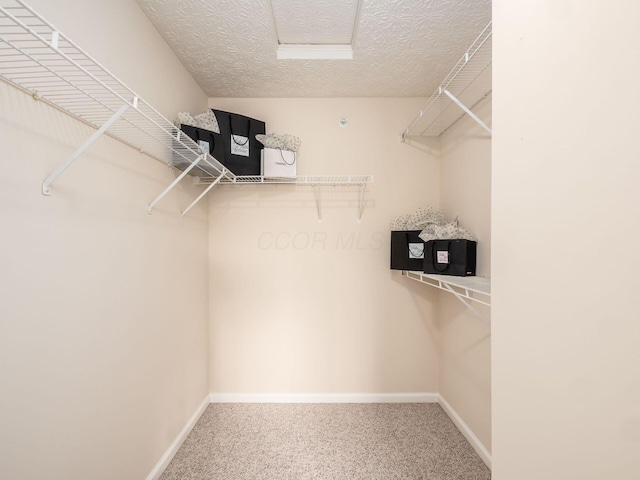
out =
column 465, row 342
column 303, row 307
column 566, row 169
column 104, row 310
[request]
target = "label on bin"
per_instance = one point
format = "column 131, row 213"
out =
column 442, row 256
column 204, row 146
column 416, row 250
column 239, row 145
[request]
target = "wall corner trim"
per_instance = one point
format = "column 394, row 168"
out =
column 475, row 442
column 166, row 458
column 324, row 398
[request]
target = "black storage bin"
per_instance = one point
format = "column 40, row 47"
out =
column 216, row 150
column 450, row 257
column 241, row 152
column 407, row 250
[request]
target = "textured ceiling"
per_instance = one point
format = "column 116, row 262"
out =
column 402, row 47
column 328, row 22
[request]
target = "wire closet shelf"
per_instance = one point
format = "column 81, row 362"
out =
column 37, row 58
column 317, row 181
column 309, row 180
column 466, row 85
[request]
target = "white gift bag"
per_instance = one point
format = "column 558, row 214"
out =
column 278, row 163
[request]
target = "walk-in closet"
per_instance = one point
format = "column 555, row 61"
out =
column 353, row 239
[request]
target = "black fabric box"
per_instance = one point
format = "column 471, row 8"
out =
column 450, row 257
column 216, row 150
column 241, row 150
column 407, row 250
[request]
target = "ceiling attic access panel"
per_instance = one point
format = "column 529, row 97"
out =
column 324, row 30
column 326, row 22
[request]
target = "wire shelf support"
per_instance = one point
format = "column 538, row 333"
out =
column 465, row 289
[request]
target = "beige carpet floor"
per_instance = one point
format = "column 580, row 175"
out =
column 325, row 441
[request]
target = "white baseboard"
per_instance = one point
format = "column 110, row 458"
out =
column 475, row 442
column 164, row 461
column 324, row 397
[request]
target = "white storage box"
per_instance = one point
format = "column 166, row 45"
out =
column 278, row 163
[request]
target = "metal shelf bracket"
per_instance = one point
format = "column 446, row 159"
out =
column 46, row 185
column 318, row 202
column 206, row 190
column 466, row 304
column 465, row 289
column 363, row 188
column 173, row 184
column 466, row 110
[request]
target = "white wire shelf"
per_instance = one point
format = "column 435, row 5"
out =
column 359, row 181
column 476, row 289
column 37, row 58
column 468, row 83
column 313, row 181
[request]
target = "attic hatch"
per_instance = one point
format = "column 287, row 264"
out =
column 322, row 30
